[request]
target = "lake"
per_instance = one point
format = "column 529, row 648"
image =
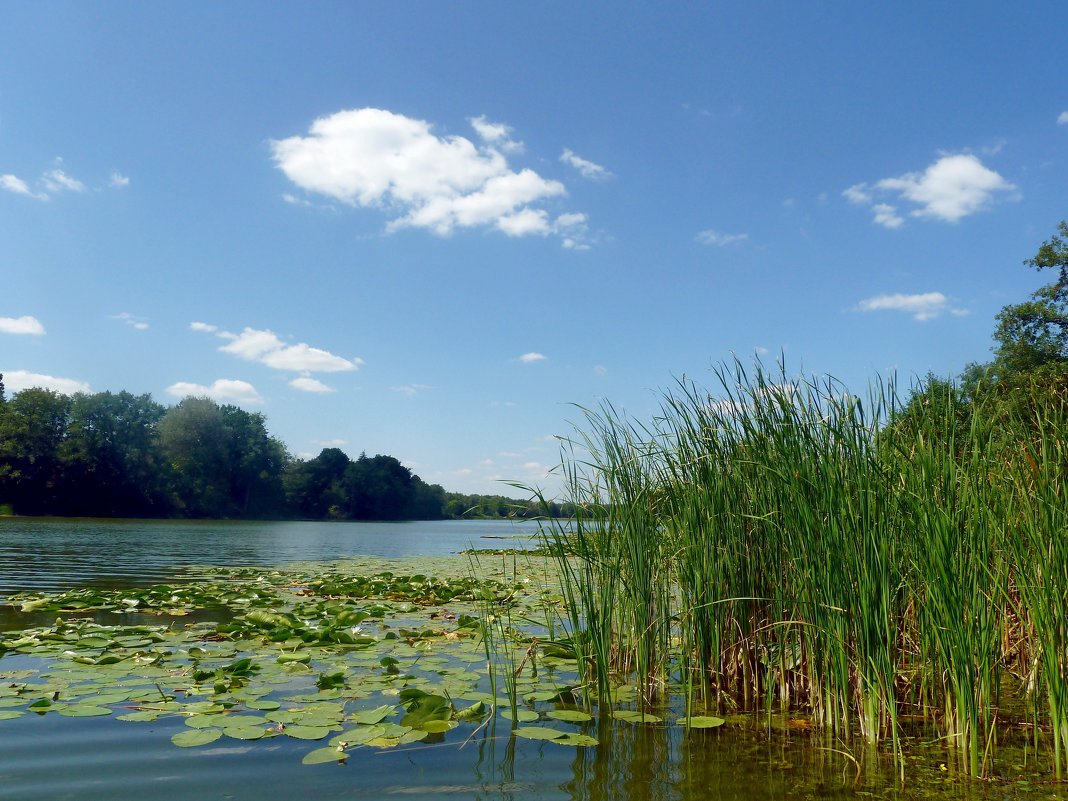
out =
column 49, row 756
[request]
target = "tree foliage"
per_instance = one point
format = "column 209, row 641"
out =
column 123, row 455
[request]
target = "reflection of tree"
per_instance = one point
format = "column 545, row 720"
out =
column 632, row 762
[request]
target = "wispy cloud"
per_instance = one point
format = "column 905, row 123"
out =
column 374, row 158
column 950, row 189
column 226, row 390
column 923, row 306
column 56, row 181
column 118, row 180
column 21, row 325
column 18, row 380
column 410, row 390
column 1062, row 118
column 720, row 239
column 132, row 320
column 496, row 134
column 12, row 183
column 586, row 168
column 530, row 358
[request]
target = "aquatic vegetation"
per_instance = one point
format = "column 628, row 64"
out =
column 786, row 545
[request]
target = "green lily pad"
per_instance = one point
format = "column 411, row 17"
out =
column 322, row 756
column 569, row 715
column 10, row 714
column 702, row 722
column 539, row 733
column 372, row 716
column 83, row 711
column 194, row 737
column 635, row 716
column 303, row 732
column 521, row 715
column 244, row 732
column 575, row 739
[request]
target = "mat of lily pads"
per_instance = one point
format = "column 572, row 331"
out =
column 360, row 654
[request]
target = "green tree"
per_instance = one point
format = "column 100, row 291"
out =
column 195, row 441
column 111, row 458
column 33, row 427
column 1034, row 334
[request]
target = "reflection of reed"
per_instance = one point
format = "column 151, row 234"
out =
column 632, row 761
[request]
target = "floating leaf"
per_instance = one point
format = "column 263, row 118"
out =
column 569, row 715
column 635, row 716
column 83, row 711
column 10, row 714
column 321, row 756
column 583, row 740
column 521, row 715
column 244, row 732
column 539, row 732
column 702, row 722
column 302, row 732
column 372, row 716
column 193, row 737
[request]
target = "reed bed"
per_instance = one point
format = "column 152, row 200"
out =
column 784, row 545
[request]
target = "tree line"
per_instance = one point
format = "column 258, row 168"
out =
column 110, row 454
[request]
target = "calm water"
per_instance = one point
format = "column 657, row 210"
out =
column 58, row 554
column 53, row 758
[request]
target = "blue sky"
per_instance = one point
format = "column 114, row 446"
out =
column 431, row 230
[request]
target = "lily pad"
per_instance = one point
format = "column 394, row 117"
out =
column 194, row 737
column 83, row 711
column 322, row 756
column 702, row 722
column 302, row 732
column 569, row 715
column 636, row 716
column 539, row 733
column 521, row 715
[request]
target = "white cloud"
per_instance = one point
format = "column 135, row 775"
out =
column 18, row 380
column 12, row 183
column 331, row 443
column 308, row 384
column 411, row 390
column 21, row 325
column 132, row 320
column 225, row 390
column 858, row 194
column 586, row 168
column 887, row 216
column 265, row 347
column 529, row 358
column 1062, row 118
column 922, row 307
column 600, row 369
column 58, row 181
column 953, row 187
column 760, row 350
column 720, row 239
column 496, row 134
column 374, row 158
column 118, row 180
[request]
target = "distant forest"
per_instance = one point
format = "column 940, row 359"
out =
column 123, row 455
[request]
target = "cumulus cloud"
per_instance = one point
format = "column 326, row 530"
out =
column 225, row 390
column 923, row 306
column 18, row 380
column 374, row 158
column 720, row 239
column 586, row 168
column 309, row 384
column 266, row 347
column 530, row 358
column 21, row 325
column 1062, row 118
column 132, row 320
column 950, row 189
